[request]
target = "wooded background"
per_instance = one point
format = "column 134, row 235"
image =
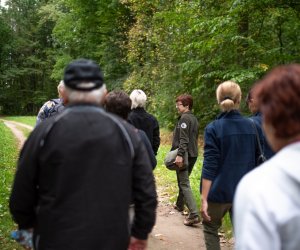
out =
column 165, row 47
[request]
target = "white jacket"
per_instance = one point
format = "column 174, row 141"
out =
column 267, row 204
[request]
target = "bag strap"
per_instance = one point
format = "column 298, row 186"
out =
column 258, row 139
column 96, row 109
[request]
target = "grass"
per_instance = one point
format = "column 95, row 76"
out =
column 8, row 156
column 28, row 120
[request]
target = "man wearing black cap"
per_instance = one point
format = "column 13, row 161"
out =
column 79, row 172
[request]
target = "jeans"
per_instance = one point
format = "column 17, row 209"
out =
column 216, row 212
column 185, row 195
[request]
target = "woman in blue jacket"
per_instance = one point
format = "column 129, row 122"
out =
column 230, row 151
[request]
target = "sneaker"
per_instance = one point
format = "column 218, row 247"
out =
column 191, row 221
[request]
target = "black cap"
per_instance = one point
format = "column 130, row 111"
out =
column 83, row 74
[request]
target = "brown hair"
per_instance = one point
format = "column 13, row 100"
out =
column 119, row 103
column 278, row 96
column 187, row 100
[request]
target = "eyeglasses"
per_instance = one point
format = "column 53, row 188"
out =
column 179, row 104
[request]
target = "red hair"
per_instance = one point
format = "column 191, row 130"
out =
column 187, row 100
column 278, row 96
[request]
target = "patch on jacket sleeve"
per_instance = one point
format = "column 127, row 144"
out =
column 183, row 125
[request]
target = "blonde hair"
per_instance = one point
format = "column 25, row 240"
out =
column 229, row 95
column 138, row 98
column 60, row 88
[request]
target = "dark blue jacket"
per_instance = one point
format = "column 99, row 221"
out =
column 230, row 151
column 268, row 152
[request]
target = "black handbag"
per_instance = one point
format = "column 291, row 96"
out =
column 170, row 159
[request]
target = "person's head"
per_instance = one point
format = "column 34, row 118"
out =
column 251, row 102
column 138, row 98
column 278, row 97
column 229, row 96
column 184, row 103
column 83, row 82
column 119, row 103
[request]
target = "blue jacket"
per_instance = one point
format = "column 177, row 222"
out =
column 230, row 151
column 268, row 152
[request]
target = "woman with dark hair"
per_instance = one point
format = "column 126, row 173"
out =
column 257, row 118
column 230, row 151
column 185, row 138
column 267, row 203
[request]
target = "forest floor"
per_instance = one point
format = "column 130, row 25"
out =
column 169, row 232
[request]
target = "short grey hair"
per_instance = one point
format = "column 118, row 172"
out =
column 138, row 98
column 95, row 96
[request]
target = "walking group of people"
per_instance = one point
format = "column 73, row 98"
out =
column 80, row 171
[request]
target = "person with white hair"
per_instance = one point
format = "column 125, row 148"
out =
column 79, row 172
column 141, row 119
column 52, row 107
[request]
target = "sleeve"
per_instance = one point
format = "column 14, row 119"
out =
column 144, row 193
column 156, row 137
column 23, row 198
column 148, row 148
column 184, row 127
column 252, row 220
column 212, row 154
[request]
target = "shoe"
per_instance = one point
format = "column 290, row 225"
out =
column 191, row 221
column 178, row 209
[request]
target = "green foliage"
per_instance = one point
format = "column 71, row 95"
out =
column 8, row 156
column 164, row 47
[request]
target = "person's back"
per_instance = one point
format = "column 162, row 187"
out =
column 141, row 119
column 52, row 107
column 69, row 167
column 236, row 142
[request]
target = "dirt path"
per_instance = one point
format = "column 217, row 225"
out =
column 13, row 126
column 169, row 233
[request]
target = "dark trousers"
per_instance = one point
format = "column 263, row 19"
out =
column 185, row 195
column 217, row 212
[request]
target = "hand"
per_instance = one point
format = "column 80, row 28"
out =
column 179, row 161
column 203, row 210
column 137, row 244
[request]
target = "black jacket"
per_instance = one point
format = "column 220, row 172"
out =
column 139, row 118
column 75, row 189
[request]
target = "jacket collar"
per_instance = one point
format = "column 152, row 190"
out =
column 231, row 114
column 139, row 109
